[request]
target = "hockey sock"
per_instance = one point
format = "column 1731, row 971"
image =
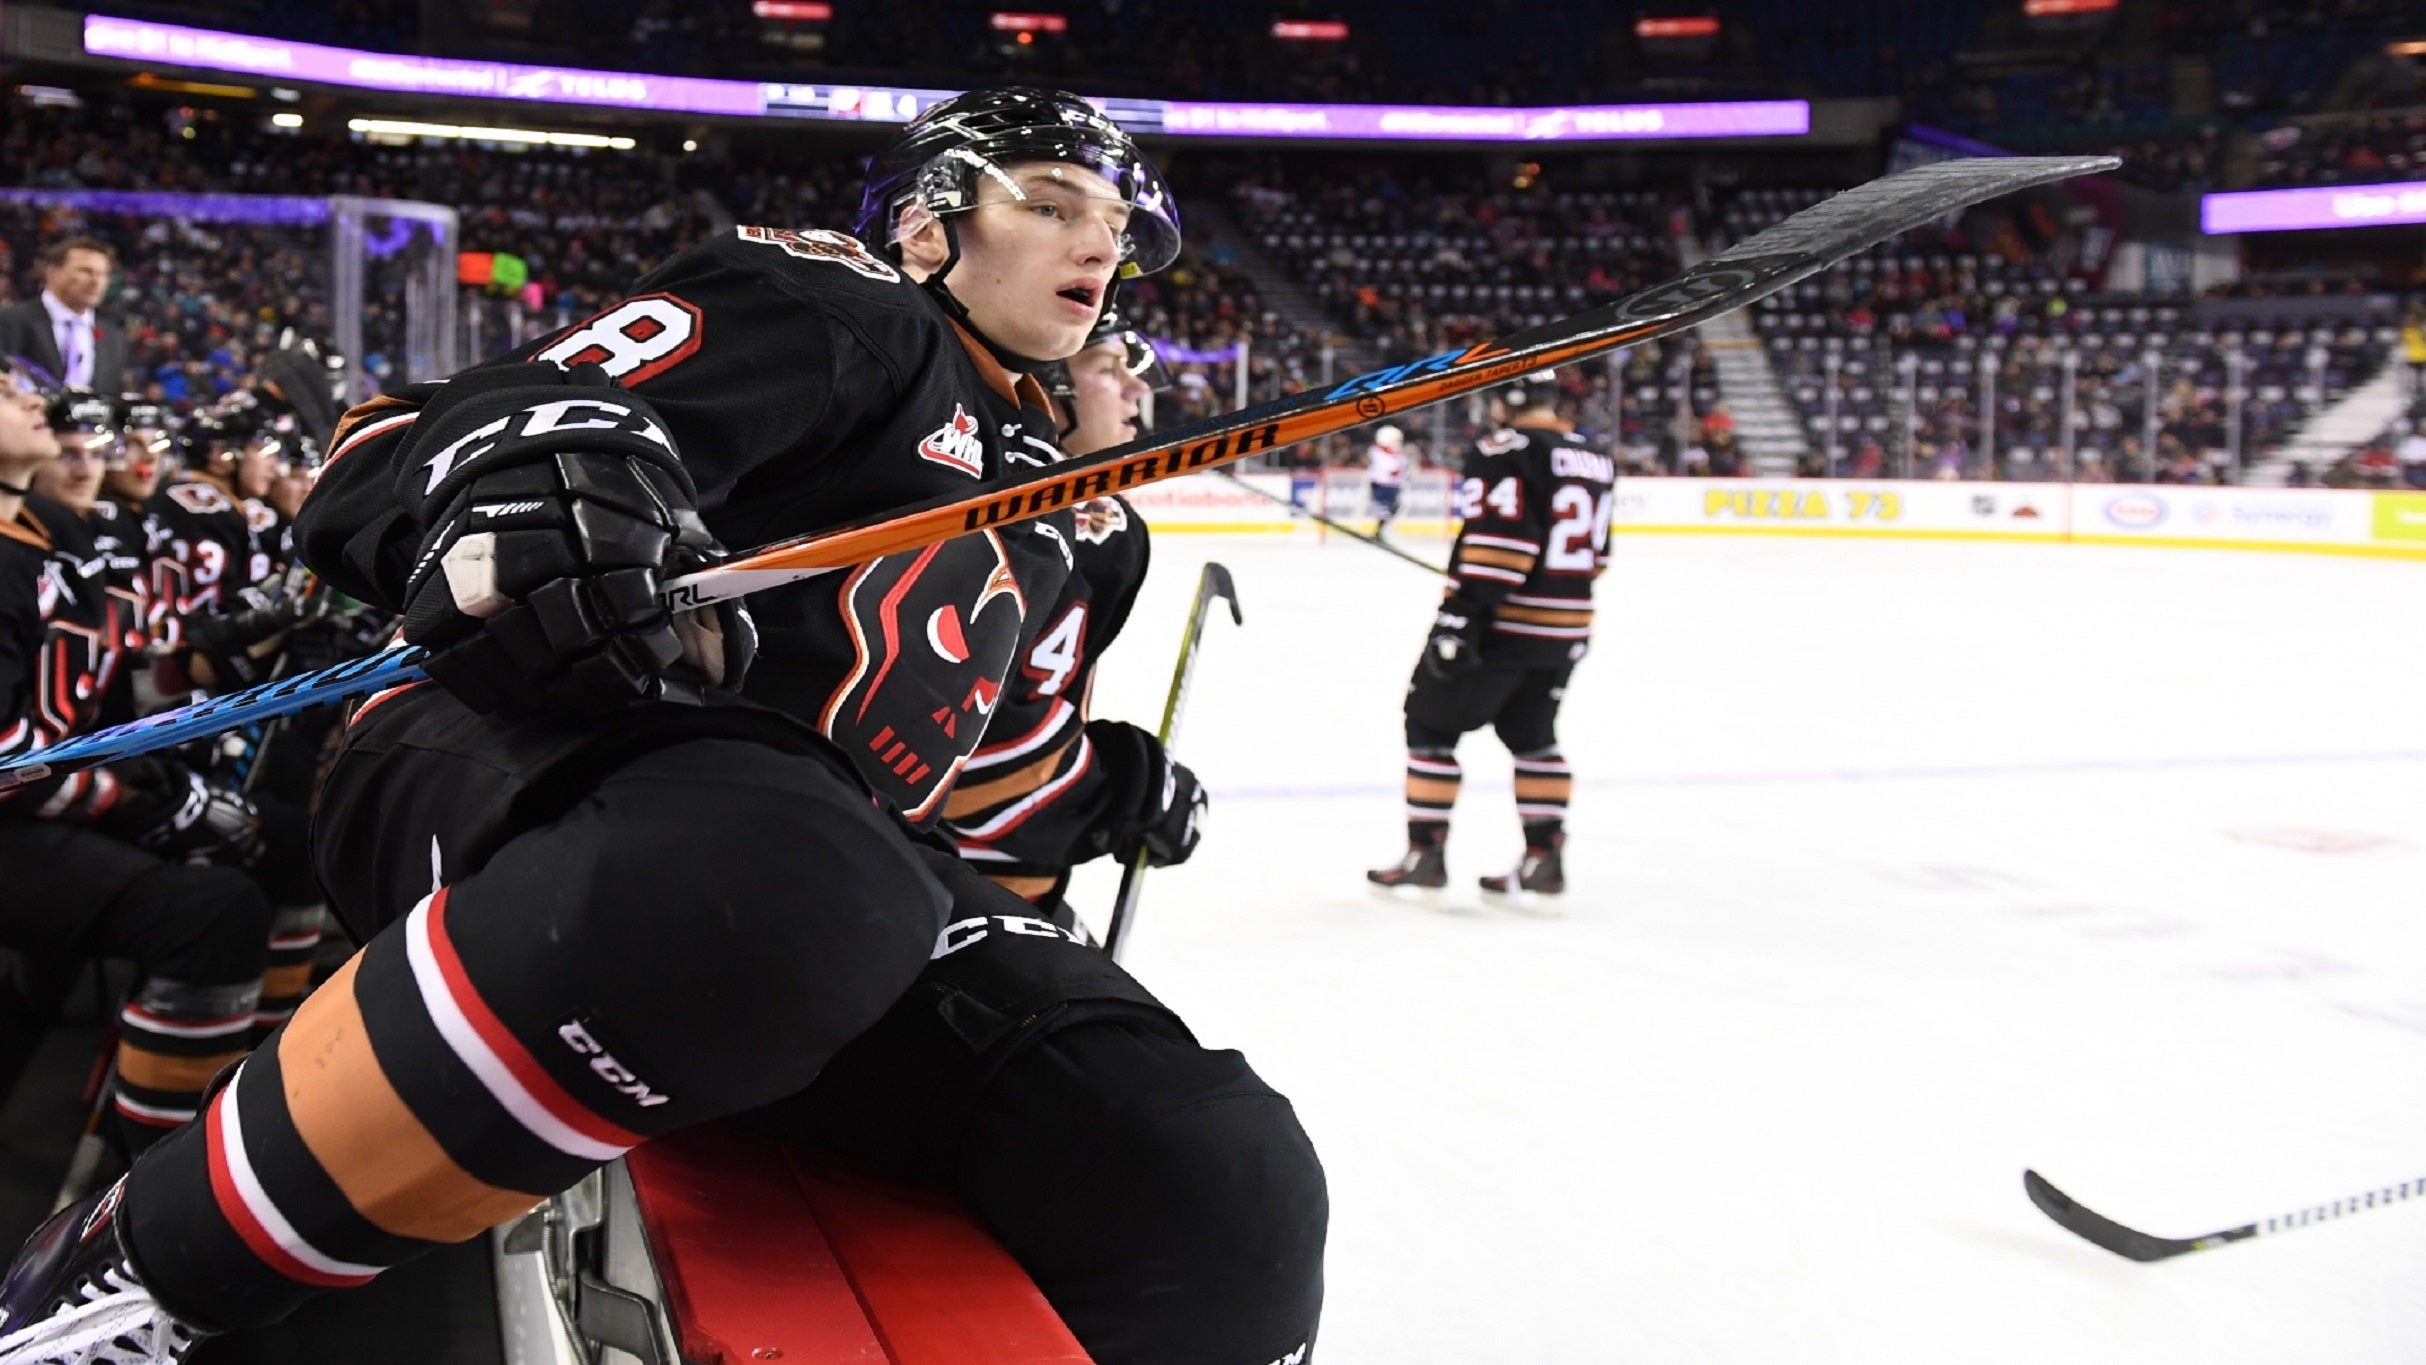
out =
column 1432, row 781
column 199, row 935
column 172, row 1038
column 294, row 938
column 644, row 962
column 1544, row 782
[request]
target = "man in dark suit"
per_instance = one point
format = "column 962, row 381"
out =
column 59, row 331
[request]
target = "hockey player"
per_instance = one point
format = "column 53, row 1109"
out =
column 216, row 544
column 91, row 452
column 602, row 898
column 1385, row 474
column 1049, row 788
column 1535, row 501
column 104, row 861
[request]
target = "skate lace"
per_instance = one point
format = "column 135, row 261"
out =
column 114, row 1321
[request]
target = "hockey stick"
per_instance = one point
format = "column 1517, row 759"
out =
column 1213, row 583
column 1350, row 532
column 1751, row 270
column 2096, row 1227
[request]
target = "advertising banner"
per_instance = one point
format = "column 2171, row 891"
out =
column 2004, row 511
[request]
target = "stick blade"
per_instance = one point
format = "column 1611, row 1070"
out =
column 1217, row 583
column 2096, row 1228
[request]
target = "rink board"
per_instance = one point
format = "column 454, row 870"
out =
column 2311, row 520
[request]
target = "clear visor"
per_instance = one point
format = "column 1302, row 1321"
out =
column 1148, row 242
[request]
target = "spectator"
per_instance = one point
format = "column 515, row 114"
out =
column 60, row 331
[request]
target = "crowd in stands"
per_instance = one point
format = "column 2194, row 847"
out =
column 1888, row 359
column 1408, row 268
column 1398, row 259
column 2367, row 150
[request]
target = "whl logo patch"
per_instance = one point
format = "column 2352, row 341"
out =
column 956, row 444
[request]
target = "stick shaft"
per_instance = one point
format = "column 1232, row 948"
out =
column 1212, row 585
column 1350, row 532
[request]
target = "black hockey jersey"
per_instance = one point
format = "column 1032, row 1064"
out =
column 805, row 382
column 62, row 639
column 208, row 547
column 1033, row 791
column 1536, row 502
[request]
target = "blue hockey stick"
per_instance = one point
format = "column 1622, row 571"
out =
column 371, row 673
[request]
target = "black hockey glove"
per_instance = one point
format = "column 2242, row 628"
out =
column 1455, row 647
column 1156, row 804
column 555, row 510
column 164, row 807
column 230, row 639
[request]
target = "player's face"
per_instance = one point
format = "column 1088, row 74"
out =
column 1034, row 266
column 1105, row 398
column 136, row 476
column 75, row 477
column 26, row 439
column 259, row 467
column 286, row 493
column 79, row 280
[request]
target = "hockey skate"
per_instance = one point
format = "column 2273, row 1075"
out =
column 1538, row 886
column 1420, row 876
column 72, row 1297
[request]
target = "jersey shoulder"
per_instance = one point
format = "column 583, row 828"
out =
column 802, row 262
column 194, row 498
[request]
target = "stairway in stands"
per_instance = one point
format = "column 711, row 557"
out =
column 1766, row 426
column 1211, row 227
column 2337, row 429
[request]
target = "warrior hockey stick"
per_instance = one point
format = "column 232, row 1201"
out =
column 1745, row 273
column 1214, row 583
column 2140, row 1246
column 1350, row 532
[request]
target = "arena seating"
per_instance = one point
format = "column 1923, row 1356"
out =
column 1412, row 272
column 1925, row 313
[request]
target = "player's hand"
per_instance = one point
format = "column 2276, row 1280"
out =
column 1161, row 806
column 538, row 580
column 1455, row 647
column 237, row 641
column 167, row 808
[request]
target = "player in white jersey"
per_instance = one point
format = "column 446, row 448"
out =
column 1386, row 474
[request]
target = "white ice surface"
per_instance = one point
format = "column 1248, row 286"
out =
column 1895, row 868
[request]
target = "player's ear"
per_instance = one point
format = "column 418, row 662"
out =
column 920, row 237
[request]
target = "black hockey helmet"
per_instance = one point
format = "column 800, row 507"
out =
column 942, row 155
column 1525, row 392
column 153, row 424
column 219, row 431
column 1139, row 357
column 79, row 409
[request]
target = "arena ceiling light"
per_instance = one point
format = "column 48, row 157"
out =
column 389, row 127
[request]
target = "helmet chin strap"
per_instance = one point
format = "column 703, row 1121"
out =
column 959, row 312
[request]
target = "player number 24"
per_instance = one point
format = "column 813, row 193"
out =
column 1579, row 522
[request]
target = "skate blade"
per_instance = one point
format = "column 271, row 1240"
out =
column 1536, row 903
column 1425, row 897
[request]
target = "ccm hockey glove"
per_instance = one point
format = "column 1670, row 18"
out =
column 164, row 807
column 555, row 509
column 1455, row 647
column 1157, row 804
